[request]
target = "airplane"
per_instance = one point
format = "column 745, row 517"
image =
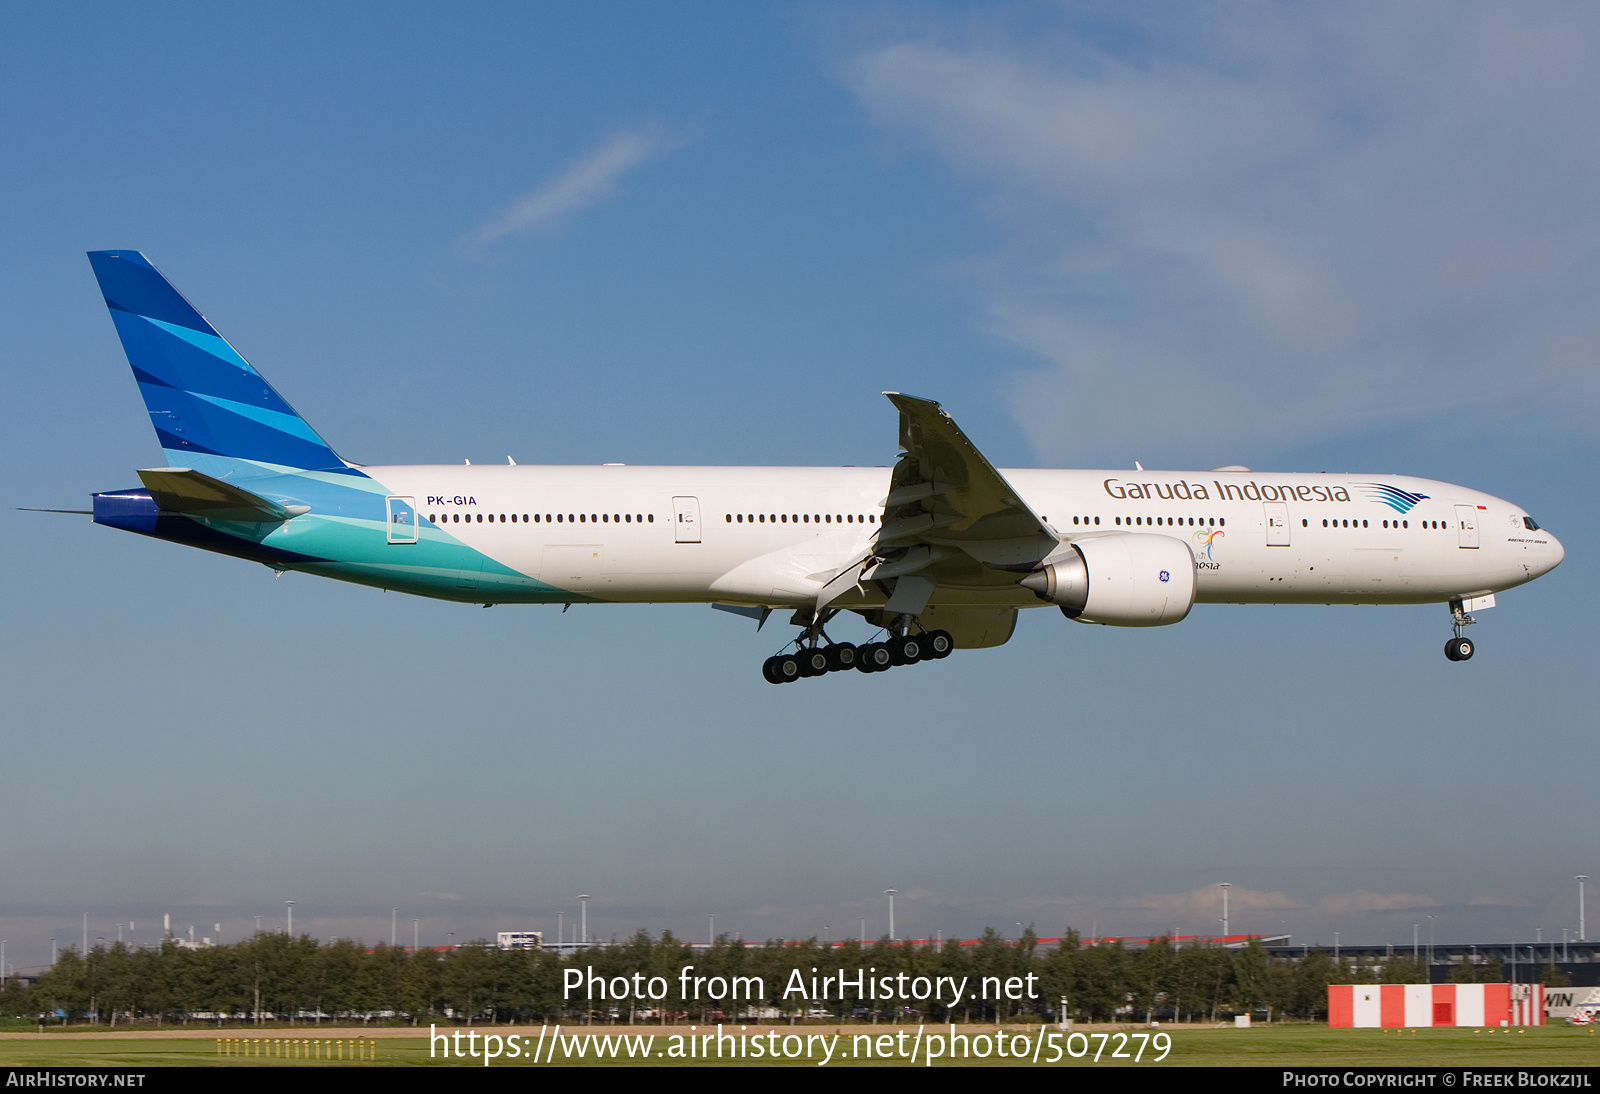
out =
column 939, row 552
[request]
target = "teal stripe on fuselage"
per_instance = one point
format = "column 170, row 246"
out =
column 346, row 532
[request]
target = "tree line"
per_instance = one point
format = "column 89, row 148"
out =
column 277, row 978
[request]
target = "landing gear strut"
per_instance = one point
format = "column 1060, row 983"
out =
column 818, row 654
column 1459, row 648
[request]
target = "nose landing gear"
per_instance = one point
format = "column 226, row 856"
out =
column 1459, row 648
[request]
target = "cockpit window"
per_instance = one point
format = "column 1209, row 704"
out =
column 1530, row 524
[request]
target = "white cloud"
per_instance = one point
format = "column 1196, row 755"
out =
column 585, row 181
column 1274, row 223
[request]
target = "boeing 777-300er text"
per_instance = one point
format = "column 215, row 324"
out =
column 939, row 552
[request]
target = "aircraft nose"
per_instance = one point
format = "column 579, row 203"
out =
column 1556, row 554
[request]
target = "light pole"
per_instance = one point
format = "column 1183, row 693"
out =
column 583, row 931
column 1430, row 944
column 1582, row 933
column 394, row 926
column 258, row 923
column 863, row 930
column 289, row 904
column 85, row 934
column 1226, row 885
column 414, row 946
column 711, row 929
column 891, row 893
column 561, row 929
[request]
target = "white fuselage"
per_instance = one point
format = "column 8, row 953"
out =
column 775, row 535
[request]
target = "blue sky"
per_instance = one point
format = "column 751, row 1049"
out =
column 1361, row 239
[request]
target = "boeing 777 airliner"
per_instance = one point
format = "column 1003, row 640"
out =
column 939, row 552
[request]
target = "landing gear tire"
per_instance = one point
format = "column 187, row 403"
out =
column 769, row 671
column 1458, row 649
column 787, row 668
column 907, row 649
column 841, row 656
column 814, row 661
column 875, row 657
column 939, row 644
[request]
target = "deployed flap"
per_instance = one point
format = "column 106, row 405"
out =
column 181, row 490
column 944, row 492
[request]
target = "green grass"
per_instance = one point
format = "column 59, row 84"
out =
column 1277, row 1046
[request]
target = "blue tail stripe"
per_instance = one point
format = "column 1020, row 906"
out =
column 202, row 396
column 144, row 377
column 129, row 283
column 179, row 363
column 193, row 423
column 292, row 424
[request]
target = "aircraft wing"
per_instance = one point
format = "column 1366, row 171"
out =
column 946, row 499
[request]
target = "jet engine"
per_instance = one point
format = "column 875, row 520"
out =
column 1125, row 579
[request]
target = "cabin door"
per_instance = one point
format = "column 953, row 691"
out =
column 1277, row 515
column 686, row 520
column 402, row 519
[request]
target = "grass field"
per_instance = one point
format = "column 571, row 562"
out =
column 1277, row 1046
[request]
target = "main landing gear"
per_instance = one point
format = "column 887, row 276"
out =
column 818, row 654
column 1459, row 648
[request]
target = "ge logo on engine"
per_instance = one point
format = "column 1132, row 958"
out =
column 1165, row 576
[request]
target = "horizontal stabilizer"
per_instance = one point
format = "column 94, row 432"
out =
column 181, row 490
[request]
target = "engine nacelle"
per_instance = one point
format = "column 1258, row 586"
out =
column 1125, row 579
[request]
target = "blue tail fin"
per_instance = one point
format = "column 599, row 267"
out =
column 204, row 399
